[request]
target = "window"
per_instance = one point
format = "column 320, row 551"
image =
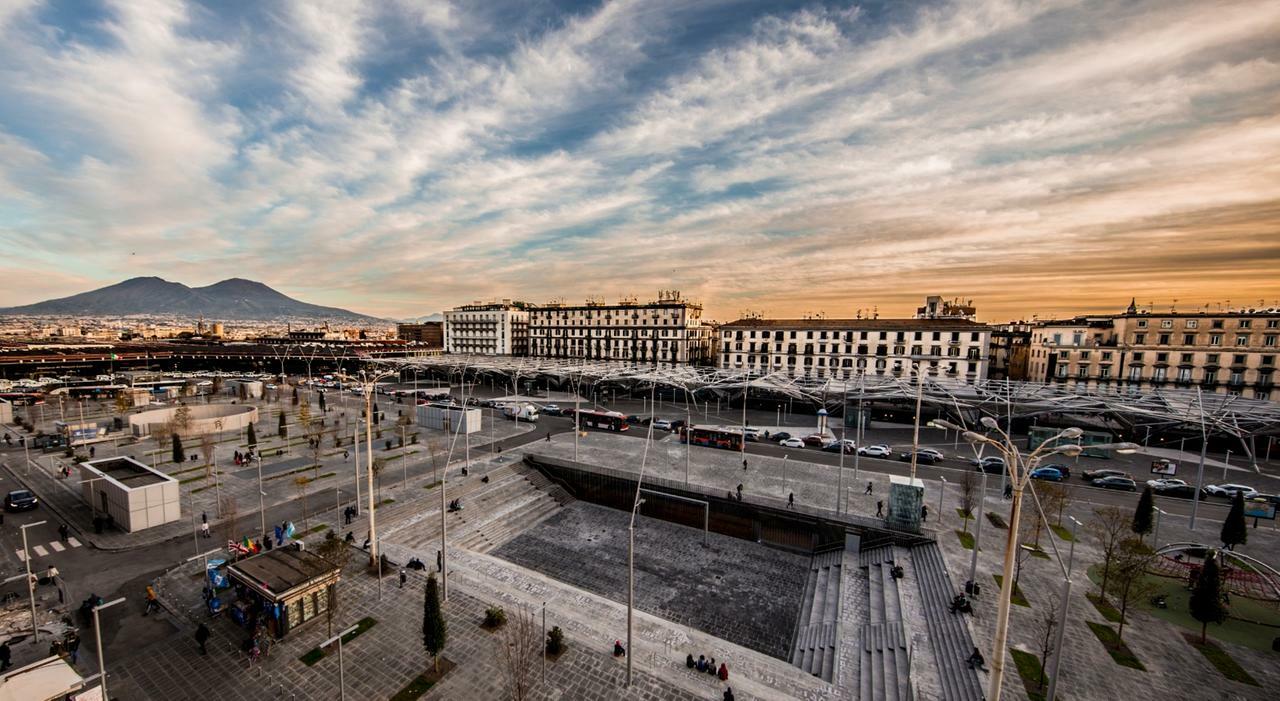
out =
column 1162, row 357
column 1166, row 323
column 1242, row 339
column 1077, row 338
column 1135, row 374
column 1238, row 360
column 1142, row 323
column 1186, row 357
column 1084, row 355
column 1159, row 374
column 1246, row 323
column 1211, row 359
column 1062, row 355
column 1273, row 323
column 1268, row 360
column 1269, row 340
column 1139, row 338
column 1215, row 339
column 1164, row 339
column 1082, row 372
column 1104, row 371
column 1106, row 355
column 1193, row 323
column 1137, row 357
column 1217, row 323
column 1188, row 339
column 1057, row 339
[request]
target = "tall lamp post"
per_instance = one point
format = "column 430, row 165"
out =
column 31, row 592
column 1019, row 468
column 342, row 683
column 1062, row 613
column 97, row 638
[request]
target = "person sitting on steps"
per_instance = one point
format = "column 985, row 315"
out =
column 976, row 660
column 618, row 650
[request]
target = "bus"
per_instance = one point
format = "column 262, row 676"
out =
column 605, row 420
column 713, row 437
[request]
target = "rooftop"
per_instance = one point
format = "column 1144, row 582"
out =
column 127, row 472
column 279, row 570
column 867, row 323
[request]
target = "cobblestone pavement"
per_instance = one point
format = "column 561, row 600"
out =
column 742, row 592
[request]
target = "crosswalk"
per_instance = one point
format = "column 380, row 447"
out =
column 43, row 551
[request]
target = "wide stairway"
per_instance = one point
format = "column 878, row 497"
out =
column 515, row 498
column 817, row 631
column 948, row 632
column 884, row 673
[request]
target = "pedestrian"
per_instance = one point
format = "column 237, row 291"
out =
column 153, row 602
column 63, row 532
column 73, row 647
column 711, row 667
column 548, row 436
column 204, row 530
column 869, row 485
column 791, row 500
column 1008, row 491
column 924, row 513
column 92, row 450
column 688, row 661
column 723, row 673
column 439, row 561
column 879, row 509
column 350, row 538
column 618, row 650
column 204, row 517
column 346, row 454
column 5, row 655
column 728, row 694
column 744, row 464
column 202, row 637
column 702, row 664
column 403, row 577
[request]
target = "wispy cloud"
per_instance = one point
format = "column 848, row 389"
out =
column 1038, row 156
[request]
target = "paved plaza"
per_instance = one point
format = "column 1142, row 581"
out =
column 734, row 589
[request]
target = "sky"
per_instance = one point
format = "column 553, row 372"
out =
column 1040, row 157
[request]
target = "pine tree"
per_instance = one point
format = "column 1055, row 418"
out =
column 1234, row 530
column 178, row 453
column 1206, row 596
column 1143, row 515
column 434, row 632
column 252, row 438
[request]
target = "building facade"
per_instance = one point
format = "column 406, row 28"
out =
column 1231, row 352
column 667, row 330
column 492, row 328
column 1010, row 351
column 430, row 333
column 843, row 349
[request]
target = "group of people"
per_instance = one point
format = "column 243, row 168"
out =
column 349, row 513
column 243, row 458
column 702, row 664
column 455, row 505
column 961, row 604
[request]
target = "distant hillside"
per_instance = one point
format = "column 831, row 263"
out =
column 438, row 316
column 233, row 299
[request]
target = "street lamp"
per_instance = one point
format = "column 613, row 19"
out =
column 1019, row 467
column 97, row 637
column 262, row 507
column 1155, row 538
column 342, row 685
column 1062, row 613
column 31, row 592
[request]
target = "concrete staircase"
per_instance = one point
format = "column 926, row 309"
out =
column 948, row 632
column 885, row 664
column 818, row 628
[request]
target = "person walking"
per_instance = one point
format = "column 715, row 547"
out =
column 869, row 485
column 879, row 509
column 744, row 464
column 1008, row 492
column 204, row 530
column 63, row 532
column 548, row 436
column 153, row 602
column 73, row 647
column 791, row 500
column 5, row 655
column 403, row 577
column 924, row 513
column 202, row 637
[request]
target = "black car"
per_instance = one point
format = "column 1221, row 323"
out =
column 20, row 500
column 1183, row 491
column 1091, row 475
column 834, row 447
column 921, row 458
column 678, row 425
column 1114, row 482
column 779, row 436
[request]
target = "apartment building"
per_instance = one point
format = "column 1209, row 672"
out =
column 1010, row 351
column 1231, row 352
column 665, row 331
column 429, row 333
column 488, row 328
column 842, row 349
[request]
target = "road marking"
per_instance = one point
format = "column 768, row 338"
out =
column 57, row 547
column 74, row 543
column 40, row 551
column 22, row 555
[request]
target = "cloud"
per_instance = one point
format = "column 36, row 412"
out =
column 1043, row 157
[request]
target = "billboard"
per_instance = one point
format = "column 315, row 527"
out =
column 1260, row 508
column 1164, row 467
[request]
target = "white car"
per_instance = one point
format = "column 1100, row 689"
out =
column 1165, row 483
column 791, row 443
column 937, row 454
column 1229, row 490
column 661, row 425
column 875, row 451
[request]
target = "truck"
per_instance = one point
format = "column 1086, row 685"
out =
column 521, row 412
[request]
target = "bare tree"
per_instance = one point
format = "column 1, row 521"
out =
column 206, row 449
column 1110, row 525
column 230, row 513
column 968, row 497
column 1047, row 626
column 1132, row 559
column 1053, row 499
column 181, row 419
column 337, row 552
column 521, row 642
column 163, row 433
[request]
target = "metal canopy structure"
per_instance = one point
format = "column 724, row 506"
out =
column 1176, row 410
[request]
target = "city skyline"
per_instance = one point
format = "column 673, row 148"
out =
column 1039, row 158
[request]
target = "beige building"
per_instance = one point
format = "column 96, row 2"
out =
column 842, row 349
column 667, row 330
column 1231, row 352
column 487, row 328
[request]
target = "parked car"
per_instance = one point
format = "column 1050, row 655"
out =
column 1050, row 474
column 816, row 440
column 1091, row 475
column 780, row 436
column 1159, row 485
column 678, row 425
column 921, row 457
column 791, row 443
column 20, row 500
column 1273, row 498
column 991, row 464
column 661, row 425
column 1229, row 490
column 1114, row 482
column 1064, row 469
column 875, row 451
column 937, row 454
column 837, row 446
column 751, row 434
column 1182, row 491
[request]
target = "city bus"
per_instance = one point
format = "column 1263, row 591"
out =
column 605, row 420
column 713, row 437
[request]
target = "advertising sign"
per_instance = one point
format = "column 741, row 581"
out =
column 1164, row 467
column 1260, row 508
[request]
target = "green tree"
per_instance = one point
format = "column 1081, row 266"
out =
column 252, row 437
column 434, row 631
column 1145, row 513
column 178, row 452
column 1234, row 530
column 1206, row 597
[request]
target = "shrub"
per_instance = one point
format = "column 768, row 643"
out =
column 555, row 641
column 494, row 617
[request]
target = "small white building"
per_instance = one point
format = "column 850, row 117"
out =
column 131, row 493
column 450, row 417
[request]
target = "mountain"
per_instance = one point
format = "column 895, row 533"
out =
column 233, row 299
column 438, row 316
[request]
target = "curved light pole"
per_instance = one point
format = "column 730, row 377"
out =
column 1019, row 467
